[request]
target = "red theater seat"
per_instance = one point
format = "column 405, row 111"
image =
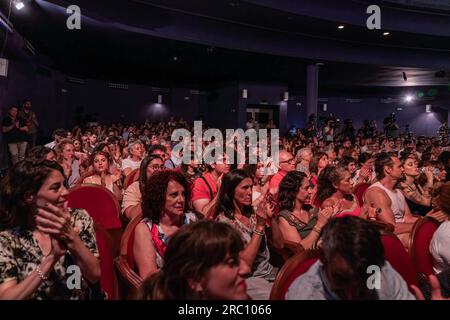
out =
column 292, row 269
column 419, row 245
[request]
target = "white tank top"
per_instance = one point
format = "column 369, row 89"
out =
column 397, row 201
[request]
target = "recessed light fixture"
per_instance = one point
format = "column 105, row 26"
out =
column 340, row 27
column 19, row 5
column 409, row 98
column 386, row 33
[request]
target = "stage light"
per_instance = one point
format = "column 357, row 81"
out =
column 341, row 27
column 244, row 93
column 19, row 5
column 428, row 108
column 409, row 98
column 285, row 96
column 386, row 33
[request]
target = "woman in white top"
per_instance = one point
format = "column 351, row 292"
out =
column 100, row 162
column 136, row 153
column 440, row 244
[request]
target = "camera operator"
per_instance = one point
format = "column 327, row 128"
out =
column 390, row 127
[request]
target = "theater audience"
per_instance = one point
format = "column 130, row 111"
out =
column 297, row 222
column 132, row 197
column 202, row 262
column 207, row 185
column 14, row 131
column 304, row 157
column 440, row 244
column 286, row 163
column 350, row 245
column 165, row 210
column 318, row 162
column 417, row 198
column 135, row 152
column 66, row 158
column 57, row 135
column 391, row 201
column 41, row 237
column 100, row 175
column 234, row 206
column 334, row 189
column 39, row 153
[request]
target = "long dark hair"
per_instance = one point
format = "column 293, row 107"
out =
column 154, row 196
column 191, row 253
column 359, row 243
column 289, row 186
column 225, row 202
column 24, row 179
column 329, row 176
column 143, row 170
column 314, row 164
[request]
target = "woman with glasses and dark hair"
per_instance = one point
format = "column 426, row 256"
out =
column 132, row 197
column 41, row 239
column 202, row 261
column 165, row 209
column 234, row 206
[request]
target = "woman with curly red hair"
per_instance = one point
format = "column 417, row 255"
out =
column 164, row 208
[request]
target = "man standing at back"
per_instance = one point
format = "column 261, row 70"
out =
column 31, row 122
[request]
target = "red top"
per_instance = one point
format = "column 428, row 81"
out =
column 201, row 190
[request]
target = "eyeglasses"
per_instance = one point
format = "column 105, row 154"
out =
column 156, row 167
column 288, row 160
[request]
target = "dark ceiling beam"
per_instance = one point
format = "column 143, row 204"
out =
column 354, row 12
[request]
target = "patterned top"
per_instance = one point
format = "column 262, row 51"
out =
column 20, row 255
column 160, row 244
column 261, row 267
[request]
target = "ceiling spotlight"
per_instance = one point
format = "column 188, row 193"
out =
column 19, row 5
column 409, row 98
column 175, row 58
column 386, row 33
column 340, row 27
column 285, row 96
column 428, row 108
column 160, row 99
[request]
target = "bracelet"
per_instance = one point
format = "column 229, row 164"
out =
column 41, row 274
column 259, row 233
column 316, row 230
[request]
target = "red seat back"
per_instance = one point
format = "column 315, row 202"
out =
column 398, row 257
column 292, row 269
column 359, row 192
column 130, row 178
column 105, row 248
column 128, row 282
column 419, row 244
column 99, row 202
column 127, row 241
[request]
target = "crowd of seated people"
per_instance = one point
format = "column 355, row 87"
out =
column 309, row 201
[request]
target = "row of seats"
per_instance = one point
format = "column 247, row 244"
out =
column 120, row 281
